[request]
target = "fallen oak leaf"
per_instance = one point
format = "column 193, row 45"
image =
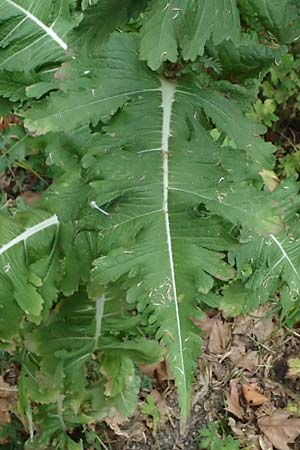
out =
column 252, row 395
column 233, row 400
column 280, row 429
column 206, row 323
column 220, row 336
column 259, row 324
column 244, row 359
column 263, row 327
column 116, row 421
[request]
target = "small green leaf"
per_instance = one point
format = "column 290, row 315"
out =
column 293, row 367
column 159, row 32
column 149, row 408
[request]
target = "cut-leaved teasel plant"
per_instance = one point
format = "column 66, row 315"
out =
column 159, row 205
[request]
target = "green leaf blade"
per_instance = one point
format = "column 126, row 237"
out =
column 218, row 19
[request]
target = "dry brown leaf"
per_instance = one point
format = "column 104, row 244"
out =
column 236, row 428
column 159, row 371
column 31, row 196
column 270, row 179
column 8, row 396
column 6, row 122
column 233, row 400
column 259, row 324
column 280, row 429
column 252, row 395
column 263, row 328
column 121, row 426
column 4, row 413
column 220, row 336
column 205, row 325
column 264, row 443
column 116, row 421
column 242, row 325
column 243, row 359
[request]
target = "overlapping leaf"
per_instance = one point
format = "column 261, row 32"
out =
column 36, row 264
column 99, row 20
column 14, row 269
column 159, row 40
column 281, row 17
column 32, row 43
column 61, row 356
column 267, row 264
column 186, row 24
column 247, row 60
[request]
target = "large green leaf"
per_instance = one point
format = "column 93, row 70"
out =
column 99, row 96
column 88, row 99
column 163, row 193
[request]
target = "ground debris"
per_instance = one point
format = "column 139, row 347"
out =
column 8, row 399
column 280, row 428
column 233, row 400
column 247, row 375
column 252, row 395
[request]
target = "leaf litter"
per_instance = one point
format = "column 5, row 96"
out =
column 239, row 381
column 8, row 400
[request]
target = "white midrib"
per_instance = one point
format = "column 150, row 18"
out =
column 99, row 317
column 40, row 24
column 284, row 256
column 30, row 232
column 168, row 90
